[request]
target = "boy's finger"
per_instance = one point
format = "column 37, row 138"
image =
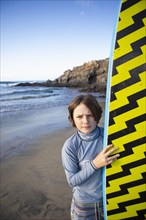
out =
column 108, row 147
column 111, row 150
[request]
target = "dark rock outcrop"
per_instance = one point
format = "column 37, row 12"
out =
column 91, row 76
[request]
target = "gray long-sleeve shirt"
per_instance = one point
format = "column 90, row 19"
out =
column 77, row 154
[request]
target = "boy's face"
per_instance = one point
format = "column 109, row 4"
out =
column 83, row 119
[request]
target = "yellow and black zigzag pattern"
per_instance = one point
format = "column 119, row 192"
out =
column 125, row 186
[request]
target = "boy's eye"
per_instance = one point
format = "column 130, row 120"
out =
column 79, row 116
column 89, row 115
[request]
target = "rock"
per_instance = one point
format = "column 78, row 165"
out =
column 93, row 72
column 91, row 76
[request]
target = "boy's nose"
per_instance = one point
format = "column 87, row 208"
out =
column 85, row 119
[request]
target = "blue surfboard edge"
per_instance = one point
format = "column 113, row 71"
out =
column 106, row 114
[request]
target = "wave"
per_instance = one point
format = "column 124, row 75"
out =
column 17, row 108
column 8, row 83
column 28, row 97
column 21, row 92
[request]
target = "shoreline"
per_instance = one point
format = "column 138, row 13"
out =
column 20, row 129
column 33, row 182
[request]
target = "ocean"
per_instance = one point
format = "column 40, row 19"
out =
column 29, row 112
column 17, row 98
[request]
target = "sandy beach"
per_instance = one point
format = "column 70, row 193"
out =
column 33, row 183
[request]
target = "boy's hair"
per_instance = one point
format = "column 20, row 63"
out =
column 88, row 100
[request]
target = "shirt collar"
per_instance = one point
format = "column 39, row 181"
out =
column 90, row 137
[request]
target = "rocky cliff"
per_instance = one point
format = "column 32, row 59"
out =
column 91, row 76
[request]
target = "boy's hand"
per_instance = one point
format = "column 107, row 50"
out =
column 104, row 158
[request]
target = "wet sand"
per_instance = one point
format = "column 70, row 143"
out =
column 33, row 183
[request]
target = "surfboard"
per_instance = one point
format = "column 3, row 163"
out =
column 125, row 115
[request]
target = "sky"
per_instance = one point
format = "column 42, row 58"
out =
column 40, row 39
